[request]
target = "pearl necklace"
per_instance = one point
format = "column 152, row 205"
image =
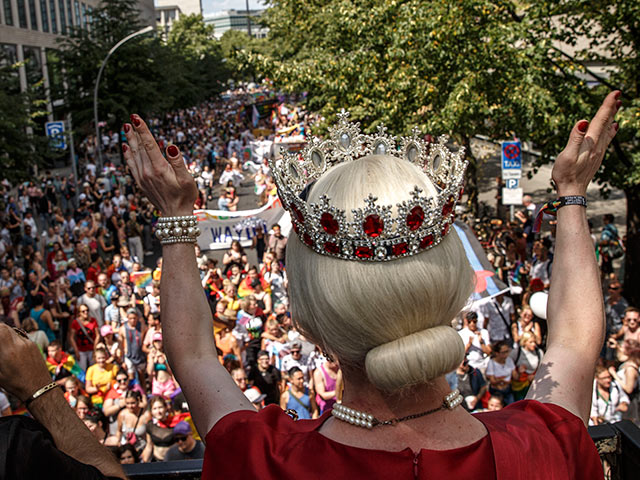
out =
column 366, row 420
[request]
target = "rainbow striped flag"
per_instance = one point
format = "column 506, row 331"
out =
column 141, row 279
column 68, row 363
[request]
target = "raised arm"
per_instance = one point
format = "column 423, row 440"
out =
column 186, row 317
column 575, row 311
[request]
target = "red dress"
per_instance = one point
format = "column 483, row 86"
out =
column 527, row 440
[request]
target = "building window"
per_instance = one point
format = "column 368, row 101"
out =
column 63, row 18
column 54, row 20
column 8, row 12
column 89, row 15
column 84, row 16
column 76, row 6
column 33, row 64
column 69, row 13
column 32, row 15
column 44, row 15
column 10, row 53
column 22, row 14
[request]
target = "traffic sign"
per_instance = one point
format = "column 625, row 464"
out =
column 512, row 196
column 511, row 183
column 55, row 132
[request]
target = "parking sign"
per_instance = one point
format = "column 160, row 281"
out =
column 55, row 132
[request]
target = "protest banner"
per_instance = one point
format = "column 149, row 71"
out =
column 219, row 228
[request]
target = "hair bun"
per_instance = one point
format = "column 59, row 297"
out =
column 414, row 359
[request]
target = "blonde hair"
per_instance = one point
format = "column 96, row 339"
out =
column 526, row 336
column 391, row 318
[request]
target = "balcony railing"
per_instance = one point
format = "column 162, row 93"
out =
column 618, row 445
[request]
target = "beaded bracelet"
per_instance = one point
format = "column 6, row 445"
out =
column 182, row 229
column 551, row 208
column 40, row 392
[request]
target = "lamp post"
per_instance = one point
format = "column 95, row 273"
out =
column 95, row 91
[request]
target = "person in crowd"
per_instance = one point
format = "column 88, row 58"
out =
column 162, row 381
column 43, row 318
column 526, row 324
column 627, row 377
column 501, row 371
column 609, row 401
column 186, row 447
column 630, row 329
column 83, row 406
column 235, row 255
column 240, row 377
column 132, row 334
column 84, row 336
column 295, row 358
column 100, row 376
column 298, row 397
column 497, row 316
column 61, row 364
column 98, row 425
column 476, row 341
column 227, row 342
column 37, row 336
column 277, row 242
column 127, row 454
column 527, row 357
column 267, row 378
column 73, row 390
column 615, row 307
column 159, row 433
column 609, row 240
column 93, row 301
column 325, row 380
column 495, row 403
column 472, row 385
column 132, row 421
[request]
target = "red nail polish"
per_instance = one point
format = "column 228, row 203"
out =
column 582, row 126
column 125, row 147
column 617, row 95
column 135, row 119
column 616, row 126
column 173, row 151
column 127, row 127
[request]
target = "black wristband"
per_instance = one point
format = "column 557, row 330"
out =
column 572, row 200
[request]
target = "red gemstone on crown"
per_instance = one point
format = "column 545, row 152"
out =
column 364, row 252
column 306, row 238
column 295, row 227
column 415, row 218
column 460, row 193
column 297, row 213
column 329, row 224
column 400, row 248
column 426, row 241
column 448, row 207
column 332, row 248
column 445, row 230
column 373, row 225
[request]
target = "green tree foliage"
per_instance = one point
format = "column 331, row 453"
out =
column 608, row 33
column 144, row 75
column 237, row 46
column 465, row 68
column 199, row 68
column 20, row 149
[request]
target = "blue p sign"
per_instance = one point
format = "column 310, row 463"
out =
column 512, row 182
column 55, row 132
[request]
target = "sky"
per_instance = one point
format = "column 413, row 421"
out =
column 209, row 6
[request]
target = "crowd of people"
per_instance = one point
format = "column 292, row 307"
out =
column 68, row 250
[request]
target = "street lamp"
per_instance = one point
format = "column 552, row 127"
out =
column 95, row 91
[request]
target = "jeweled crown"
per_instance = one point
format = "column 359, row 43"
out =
column 418, row 224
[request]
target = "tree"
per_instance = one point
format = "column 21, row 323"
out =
column 608, row 33
column 472, row 67
column 237, row 46
column 192, row 43
column 20, row 149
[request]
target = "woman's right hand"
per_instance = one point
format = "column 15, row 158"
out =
column 165, row 182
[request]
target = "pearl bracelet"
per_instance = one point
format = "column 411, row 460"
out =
column 182, row 229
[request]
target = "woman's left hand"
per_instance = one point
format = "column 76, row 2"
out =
column 165, row 182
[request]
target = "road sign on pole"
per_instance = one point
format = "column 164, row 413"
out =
column 511, row 160
column 55, row 132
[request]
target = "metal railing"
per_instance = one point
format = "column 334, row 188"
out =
column 618, row 445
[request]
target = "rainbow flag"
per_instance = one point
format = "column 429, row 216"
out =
column 141, row 279
column 68, row 363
